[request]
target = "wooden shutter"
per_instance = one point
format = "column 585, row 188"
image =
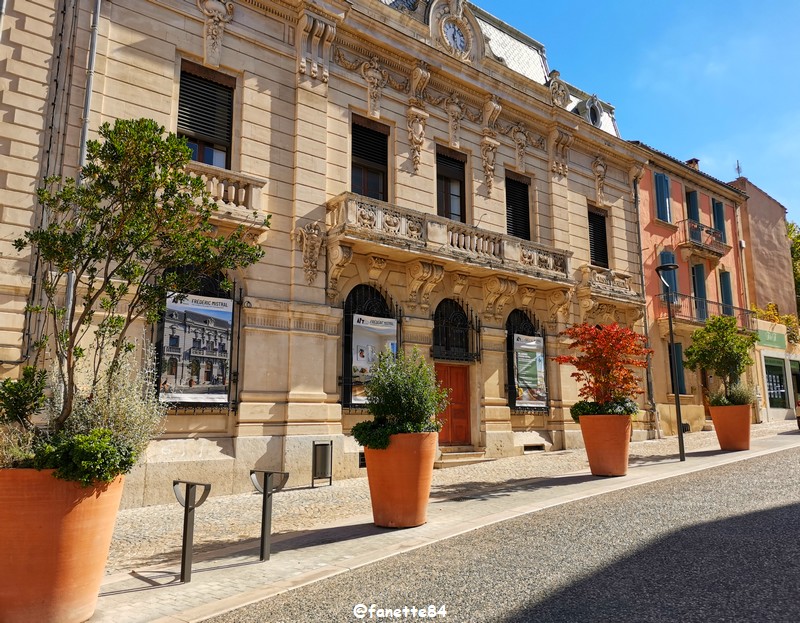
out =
column 726, row 293
column 205, row 109
column 671, row 276
column 719, row 218
column 681, row 377
column 692, row 205
column 370, row 145
column 518, row 220
column 662, row 198
column 598, row 240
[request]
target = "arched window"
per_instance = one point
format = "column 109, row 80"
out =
column 370, row 327
column 455, row 334
column 527, row 369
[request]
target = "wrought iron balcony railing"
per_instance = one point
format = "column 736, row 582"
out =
column 703, row 238
column 693, row 309
column 355, row 217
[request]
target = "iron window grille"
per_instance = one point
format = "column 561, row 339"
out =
column 520, row 323
column 456, row 332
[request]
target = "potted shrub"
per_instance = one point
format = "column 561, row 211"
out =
column 721, row 349
column 110, row 248
column 400, row 441
column 608, row 388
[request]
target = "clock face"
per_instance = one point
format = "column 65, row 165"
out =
column 454, row 36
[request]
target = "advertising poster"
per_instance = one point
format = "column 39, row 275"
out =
column 196, row 353
column 371, row 336
column 529, row 369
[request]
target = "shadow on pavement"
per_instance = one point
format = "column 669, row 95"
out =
column 745, row 568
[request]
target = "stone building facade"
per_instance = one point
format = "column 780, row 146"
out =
column 432, row 184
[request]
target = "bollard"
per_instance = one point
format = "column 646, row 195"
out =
column 189, row 503
column 273, row 481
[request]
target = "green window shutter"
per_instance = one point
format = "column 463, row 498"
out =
column 681, row 377
column 662, row 198
column 668, row 257
column 719, row 218
column 726, row 293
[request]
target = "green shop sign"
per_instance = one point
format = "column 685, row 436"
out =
column 772, row 339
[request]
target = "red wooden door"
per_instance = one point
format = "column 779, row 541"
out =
column 455, row 431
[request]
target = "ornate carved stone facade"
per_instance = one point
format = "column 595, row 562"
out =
column 302, row 70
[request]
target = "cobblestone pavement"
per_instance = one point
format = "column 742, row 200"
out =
column 151, row 535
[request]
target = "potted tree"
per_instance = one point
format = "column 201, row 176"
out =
column 721, row 349
column 400, row 441
column 608, row 388
column 110, row 248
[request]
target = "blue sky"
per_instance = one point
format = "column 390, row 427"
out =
column 708, row 79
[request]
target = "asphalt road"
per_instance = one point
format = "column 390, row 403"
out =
column 717, row 545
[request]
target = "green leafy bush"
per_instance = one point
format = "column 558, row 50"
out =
column 624, row 406
column 403, row 396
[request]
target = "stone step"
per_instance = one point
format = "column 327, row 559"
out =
column 451, row 457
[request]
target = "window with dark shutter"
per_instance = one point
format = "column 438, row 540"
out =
column 598, row 240
column 205, row 113
column 663, row 212
column 726, row 293
column 671, row 276
column 450, row 186
column 370, row 145
column 678, row 381
column 719, row 218
column 518, row 219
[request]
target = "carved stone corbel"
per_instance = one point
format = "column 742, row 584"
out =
column 419, row 82
column 339, row 256
column 496, row 293
column 377, row 265
column 455, row 113
column 460, row 281
column 520, row 137
column 559, row 143
column 527, row 296
column 491, row 110
column 217, row 13
column 488, row 155
column 416, row 119
column 599, row 169
column 634, row 175
column 376, row 79
column 313, row 45
column 560, row 302
column 422, row 279
column 310, row 238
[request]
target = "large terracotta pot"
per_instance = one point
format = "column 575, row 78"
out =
column 607, row 439
column 54, row 542
column 732, row 425
column 400, row 479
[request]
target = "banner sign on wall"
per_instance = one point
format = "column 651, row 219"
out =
column 371, row 336
column 196, row 353
column 529, row 369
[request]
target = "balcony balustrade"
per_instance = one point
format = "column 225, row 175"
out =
column 354, row 219
column 696, row 310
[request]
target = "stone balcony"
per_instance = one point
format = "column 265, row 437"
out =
column 366, row 225
column 236, row 195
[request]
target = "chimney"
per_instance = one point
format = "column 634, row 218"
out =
column 694, row 163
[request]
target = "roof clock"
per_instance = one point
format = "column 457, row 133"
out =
column 454, row 29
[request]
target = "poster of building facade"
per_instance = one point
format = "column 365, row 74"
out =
column 529, row 371
column 196, row 352
column 371, row 336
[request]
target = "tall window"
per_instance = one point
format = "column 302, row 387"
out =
column 663, row 211
column 699, row 291
column 518, row 212
column 726, row 293
column 718, row 213
column 679, row 381
column 671, row 276
column 450, row 184
column 370, row 142
column 598, row 238
column 205, row 113
column 525, row 357
column 693, row 213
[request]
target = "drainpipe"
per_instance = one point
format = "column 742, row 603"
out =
column 648, row 371
column 69, row 304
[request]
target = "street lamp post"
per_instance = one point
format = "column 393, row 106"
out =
column 674, row 364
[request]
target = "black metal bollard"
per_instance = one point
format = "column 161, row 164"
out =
column 273, row 481
column 189, row 503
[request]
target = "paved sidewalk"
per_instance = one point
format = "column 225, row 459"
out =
column 463, row 499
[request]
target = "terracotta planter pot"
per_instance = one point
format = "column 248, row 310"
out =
column 54, row 545
column 400, row 479
column 732, row 425
column 607, row 439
